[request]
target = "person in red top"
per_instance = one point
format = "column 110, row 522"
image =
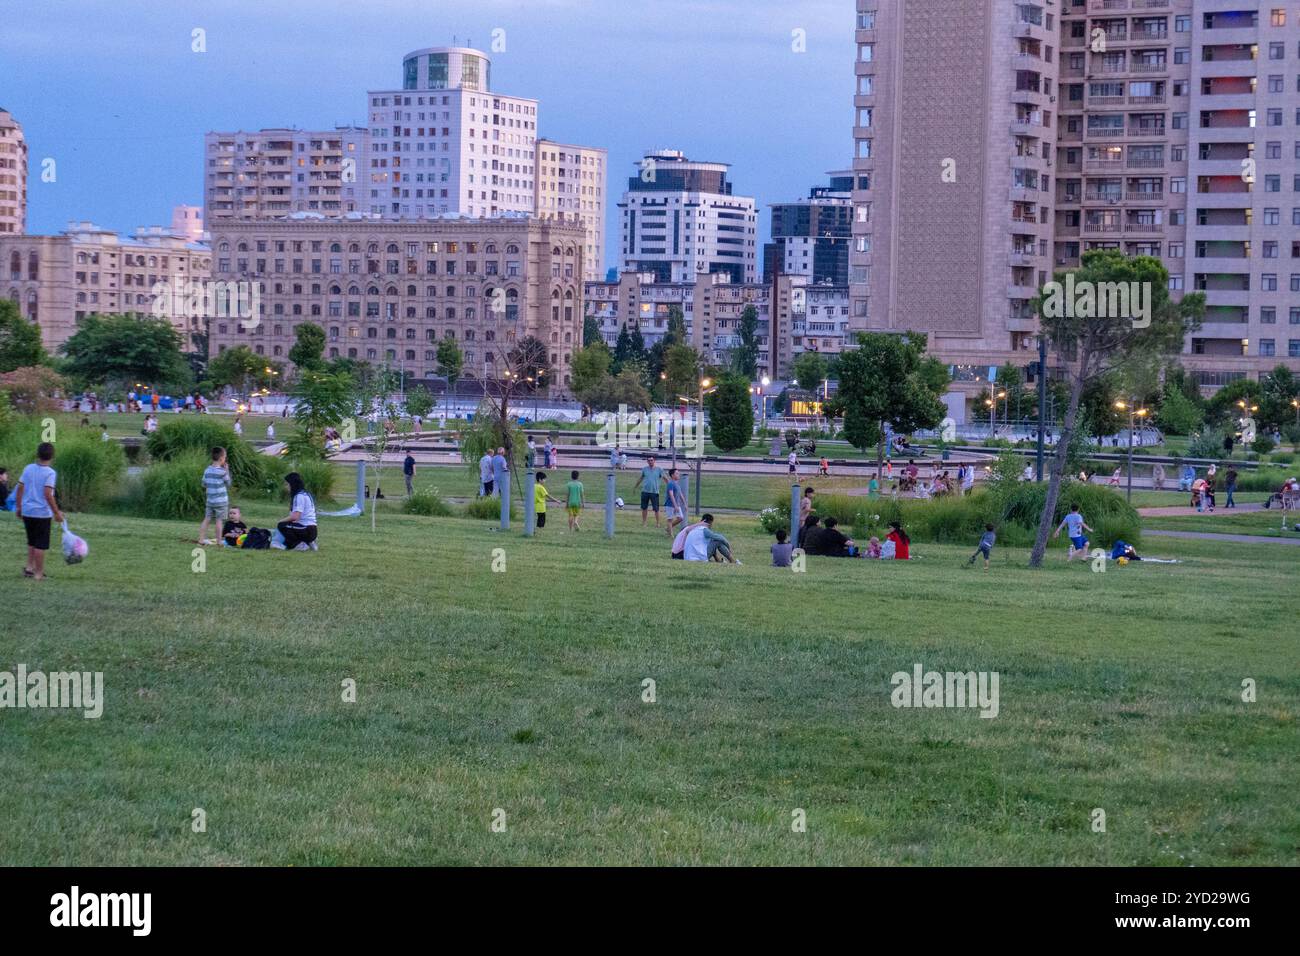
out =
column 901, row 541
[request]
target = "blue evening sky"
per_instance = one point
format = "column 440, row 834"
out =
column 112, row 92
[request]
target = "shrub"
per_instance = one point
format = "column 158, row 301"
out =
column 489, row 509
column 1292, row 433
column 1261, row 479
column 201, row 433
column 89, row 470
column 172, row 490
column 317, row 477
column 1282, row 459
column 429, row 504
column 1207, row 444
column 1262, row 445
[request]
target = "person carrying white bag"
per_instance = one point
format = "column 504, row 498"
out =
column 75, row 548
column 36, row 507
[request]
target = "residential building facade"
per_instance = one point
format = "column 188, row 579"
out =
column 387, row 292
column 59, row 280
column 1036, row 131
column 571, row 183
column 679, row 218
column 811, row 237
column 276, row 173
column 13, row 176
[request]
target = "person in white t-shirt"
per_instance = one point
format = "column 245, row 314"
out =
column 793, row 461
column 299, row 529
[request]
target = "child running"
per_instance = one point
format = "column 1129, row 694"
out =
column 577, row 500
column 1077, row 526
column 987, row 540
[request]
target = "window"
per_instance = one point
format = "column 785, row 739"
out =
column 1267, row 347
column 1268, row 315
column 1295, row 315
column 1277, row 51
column 1268, row 282
column 1270, row 249
column 1277, row 17
column 1182, row 24
column 1293, row 348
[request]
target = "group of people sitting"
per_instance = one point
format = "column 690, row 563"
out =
column 823, row 538
column 297, row 532
column 699, row 542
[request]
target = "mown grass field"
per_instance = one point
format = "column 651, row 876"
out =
column 522, row 690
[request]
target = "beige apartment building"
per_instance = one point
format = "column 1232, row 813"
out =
column 996, row 141
column 13, row 176
column 571, row 183
column 276, row 173
column 58, row 280
column 386, row 292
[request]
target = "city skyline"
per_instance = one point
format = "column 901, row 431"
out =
column 249, row 81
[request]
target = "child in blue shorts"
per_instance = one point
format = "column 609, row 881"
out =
column 1075, row 527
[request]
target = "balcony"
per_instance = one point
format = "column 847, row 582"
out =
column 1145, row 228
column 1147, row 100
column 1146, row 131
column 1105, row 101
column 1101, row 5
column 1104, row 165
column 1022, row 257
column 1142, row 162
column 1148, row 66
column 1142, row 195
column 1101, row 228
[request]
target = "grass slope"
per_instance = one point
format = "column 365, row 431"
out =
column 522, row 691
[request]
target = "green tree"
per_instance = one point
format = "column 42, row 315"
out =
column 308, row 347
column 451, row 361
column 243, row 369
column 20, row 340
column 809, row 370
column 1097, row 407
column 681, row 366
column 886, row 379
column 1224, row 408
column 419, row 401
column 1177, row 415
column 622, row 349
column 591, row 331
column 731, row 412
column 744, row 357
column 590, row 367
column 321, row 400
column 625, row 388
column 676, row 331
column 120, row 350
column 1090, row 345
column 1278, row 389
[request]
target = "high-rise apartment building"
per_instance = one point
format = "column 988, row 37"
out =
column 679, row 218
column 810, row 237
column 996, row 141
column 275, row 173
column 571, row 183
column 58, row 280
column 13, row 176
column 446, row 142
column 388, row 292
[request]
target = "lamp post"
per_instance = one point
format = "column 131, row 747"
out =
column 1140, row 413
column 699, row 461
column 762, row 397
column 1296, row 405
column 1042, row 393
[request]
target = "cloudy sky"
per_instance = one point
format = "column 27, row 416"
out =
column 111, row 91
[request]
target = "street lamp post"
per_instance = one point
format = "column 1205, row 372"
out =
column 1140, row 413
column 699, row 461
column 762, row 397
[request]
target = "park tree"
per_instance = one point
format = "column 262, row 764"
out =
column 419, row 401
column 681, row 366
column 451, row 361
column 1178, row 415
column 20, row 340
column 809, row 370
column 529, row 360
column 591, row 331
column 1278, row 390
column 731, row 412
column 1097, row 406
column 1225, row 406
column 1089, row 345
column 33, row 388
column 321, row 400
column 590, row 367
column 120, row 350
column 887, row 379
column 675, row 334
column 308, row 347
column 744, row 357
column 622, row 348
column 242, row 369
column 625, row 388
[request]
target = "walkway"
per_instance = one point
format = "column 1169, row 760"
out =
column 1210, row 536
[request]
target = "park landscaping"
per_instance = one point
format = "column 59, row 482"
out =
column 522, row 689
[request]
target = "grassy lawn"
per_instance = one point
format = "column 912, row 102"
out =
column 522, row 690
column 1267, row 523
column 130, row 425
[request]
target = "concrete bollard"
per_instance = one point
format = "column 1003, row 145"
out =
column 361, row 486
column 794, row 515
column 610, row 494
column 530, row 504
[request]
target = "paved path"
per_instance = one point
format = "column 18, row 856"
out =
column 1182, row 511
column 1210, row 536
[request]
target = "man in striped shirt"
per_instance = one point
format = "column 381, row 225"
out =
column 216, row 482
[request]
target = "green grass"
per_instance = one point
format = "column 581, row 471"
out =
column 522, row 690
column 1266, row 523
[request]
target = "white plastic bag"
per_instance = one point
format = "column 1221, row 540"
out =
column 75, row 548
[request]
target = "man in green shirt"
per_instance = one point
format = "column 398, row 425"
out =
column 651, row 477
column 576, row 499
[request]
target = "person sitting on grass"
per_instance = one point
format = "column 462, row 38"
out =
column 679, row 542
column 782, row 550
column 874, row 550
column 705, row 544
column 299, row 529
column 577, row 499
column 987, row 540
column 233, row 528
column 1076, row 527
column 834, row 543
column 809, row 532
column 216, row 484
column 4, row 488
column 902, row 543
column 540, row 497
column 37, row 508
column 1122, row 549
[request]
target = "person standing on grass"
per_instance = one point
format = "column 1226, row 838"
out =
column 806, row 505
column 577, row 500
column 676, row 502
column 793, row 462
column 1158, row 476
column 530, row 454
column 651, row 477
column 216, row 483
column 485, row 475
column 540, row 497
column 1076, row 527
column 1230, row 483
column 36, row 507
column 408, row 472
column 613, row 457
column 500, row 472
column 987, row 540
column 299, row 529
